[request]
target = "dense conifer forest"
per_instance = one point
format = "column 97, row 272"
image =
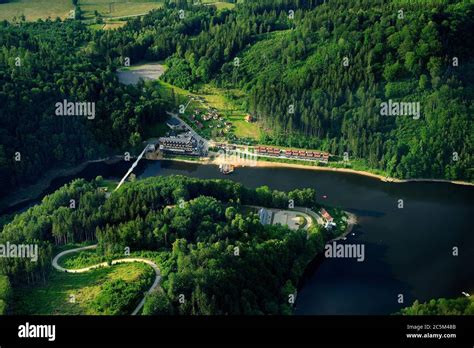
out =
column 442, row 306
column 313, row 73
column 332, row 63
column 44, row 63
column 195, row 225
column 318, row 79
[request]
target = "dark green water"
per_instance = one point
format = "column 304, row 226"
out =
column 407, row 251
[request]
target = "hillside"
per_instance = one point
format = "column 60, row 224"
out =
column 33, row 10
column 210, row 247
column 44, row 63
column 319, row 80
column 315, row 79
column 442, row 306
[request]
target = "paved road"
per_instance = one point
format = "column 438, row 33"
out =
column 308, row 211
column 127, row 16
column 304, row 210
column 155, row 284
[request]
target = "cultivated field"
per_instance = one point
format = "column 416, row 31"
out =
column 35, row 9
column 108, row 9
column 220, row 5
column 42, row 9
column 117, row 8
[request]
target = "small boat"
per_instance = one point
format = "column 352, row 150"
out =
column 226, row 168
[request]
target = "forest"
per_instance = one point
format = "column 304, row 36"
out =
column 195, row 226
column 442, row 306
column 318, row 80
column 5, row 293
column 314, row 74
column 44, row 63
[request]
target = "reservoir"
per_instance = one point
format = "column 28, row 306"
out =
column 408, row 251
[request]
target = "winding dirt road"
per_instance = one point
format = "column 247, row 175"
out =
column 155, row 284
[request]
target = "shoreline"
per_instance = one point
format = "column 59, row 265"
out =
column 266, row 164
column 351, row 222
column 319, row 258
column 35, row 190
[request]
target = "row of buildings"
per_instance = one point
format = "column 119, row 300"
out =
column 185, row 145
column 292, row 153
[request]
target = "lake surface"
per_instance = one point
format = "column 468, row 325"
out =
column 408, row 251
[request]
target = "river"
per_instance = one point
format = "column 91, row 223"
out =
column 408, row 251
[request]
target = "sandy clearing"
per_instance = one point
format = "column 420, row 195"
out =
column 149, row 71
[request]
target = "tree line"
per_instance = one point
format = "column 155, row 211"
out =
column 215, row 252
column 284, row 62
column 47, row 62
column 442, row 306
column 316, row 77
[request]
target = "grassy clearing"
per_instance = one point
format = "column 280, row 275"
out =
column 167, row 90
column 244, row 129
column 227, row 102
column 118, row 8
column 53, row 298
column 111, row 25
column 35, row 9
column 82, row 259
column 220, row 5
column 108, row 9
column 95, row 27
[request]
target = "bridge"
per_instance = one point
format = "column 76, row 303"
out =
column 132, row 167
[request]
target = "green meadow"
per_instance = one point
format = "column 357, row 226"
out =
column 74, row 294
